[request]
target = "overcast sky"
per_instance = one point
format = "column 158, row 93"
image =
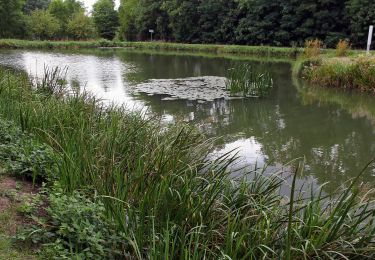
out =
column 89, row 3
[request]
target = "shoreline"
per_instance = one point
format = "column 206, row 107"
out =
column 114, row 173
column 268, row 51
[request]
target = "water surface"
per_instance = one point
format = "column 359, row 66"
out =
column 332, row 130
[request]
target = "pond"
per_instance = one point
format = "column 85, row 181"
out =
column 332, row 130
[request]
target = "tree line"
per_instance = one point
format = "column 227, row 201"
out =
column 251, row 22
column 57, row 19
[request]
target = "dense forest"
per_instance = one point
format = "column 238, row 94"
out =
column 251, row 22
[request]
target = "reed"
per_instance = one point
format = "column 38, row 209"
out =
column 352, row 74
column 163, row 195
column 244, row 80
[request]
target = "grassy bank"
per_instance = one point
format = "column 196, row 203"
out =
column 263, row 51
column 351, row 73
column 342, row 68
column 124, row 186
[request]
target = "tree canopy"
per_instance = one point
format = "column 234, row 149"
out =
column 254, row 22
column 43, row 25
column 12, row 20
column 250, row 22
column 105, row 18
column 32, row 5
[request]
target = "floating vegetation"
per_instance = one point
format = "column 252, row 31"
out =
column 203, row 89
column 244, row 80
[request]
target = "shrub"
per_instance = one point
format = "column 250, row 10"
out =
column 313, row 48
column 342, row 48
column 43, row 25
column 23, row 156
column 81, row 27
column 73, row 227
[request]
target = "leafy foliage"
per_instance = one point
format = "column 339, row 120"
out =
column 73, row 226
column 252, row 22
column 81, row 27
column 12, row 22
column 43, row 25
column 33, row 5
column 360, row 14
column 105, row 18
column 64, row 11
column 23, row 156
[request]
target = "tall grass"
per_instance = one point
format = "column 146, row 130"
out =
column 168, row 200
column 342, row 48
column 244, row 80
column 356, row 73
column 313, row 48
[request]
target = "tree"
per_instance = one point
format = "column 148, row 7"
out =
column 32, row 5
column 12, row 22
column 213, row 14
column 260, row 22
column 361, row 14
column 81, row 27
column 127, row 15
column 184, row 19
column 106, row 18
column 43, row 25
column 64, row 11
column 150, row 15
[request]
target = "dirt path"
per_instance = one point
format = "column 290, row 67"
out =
column 13, row 194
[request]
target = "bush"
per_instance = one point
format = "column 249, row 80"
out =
column 43, row 25
column 81, row 27
column 73, row 227
column 23, row 156
column 342, row 48
column 313, row 48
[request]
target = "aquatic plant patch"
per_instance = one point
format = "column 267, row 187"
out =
column 247, row 81
column 195, row 89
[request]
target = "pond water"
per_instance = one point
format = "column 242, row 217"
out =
column 332, row 130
